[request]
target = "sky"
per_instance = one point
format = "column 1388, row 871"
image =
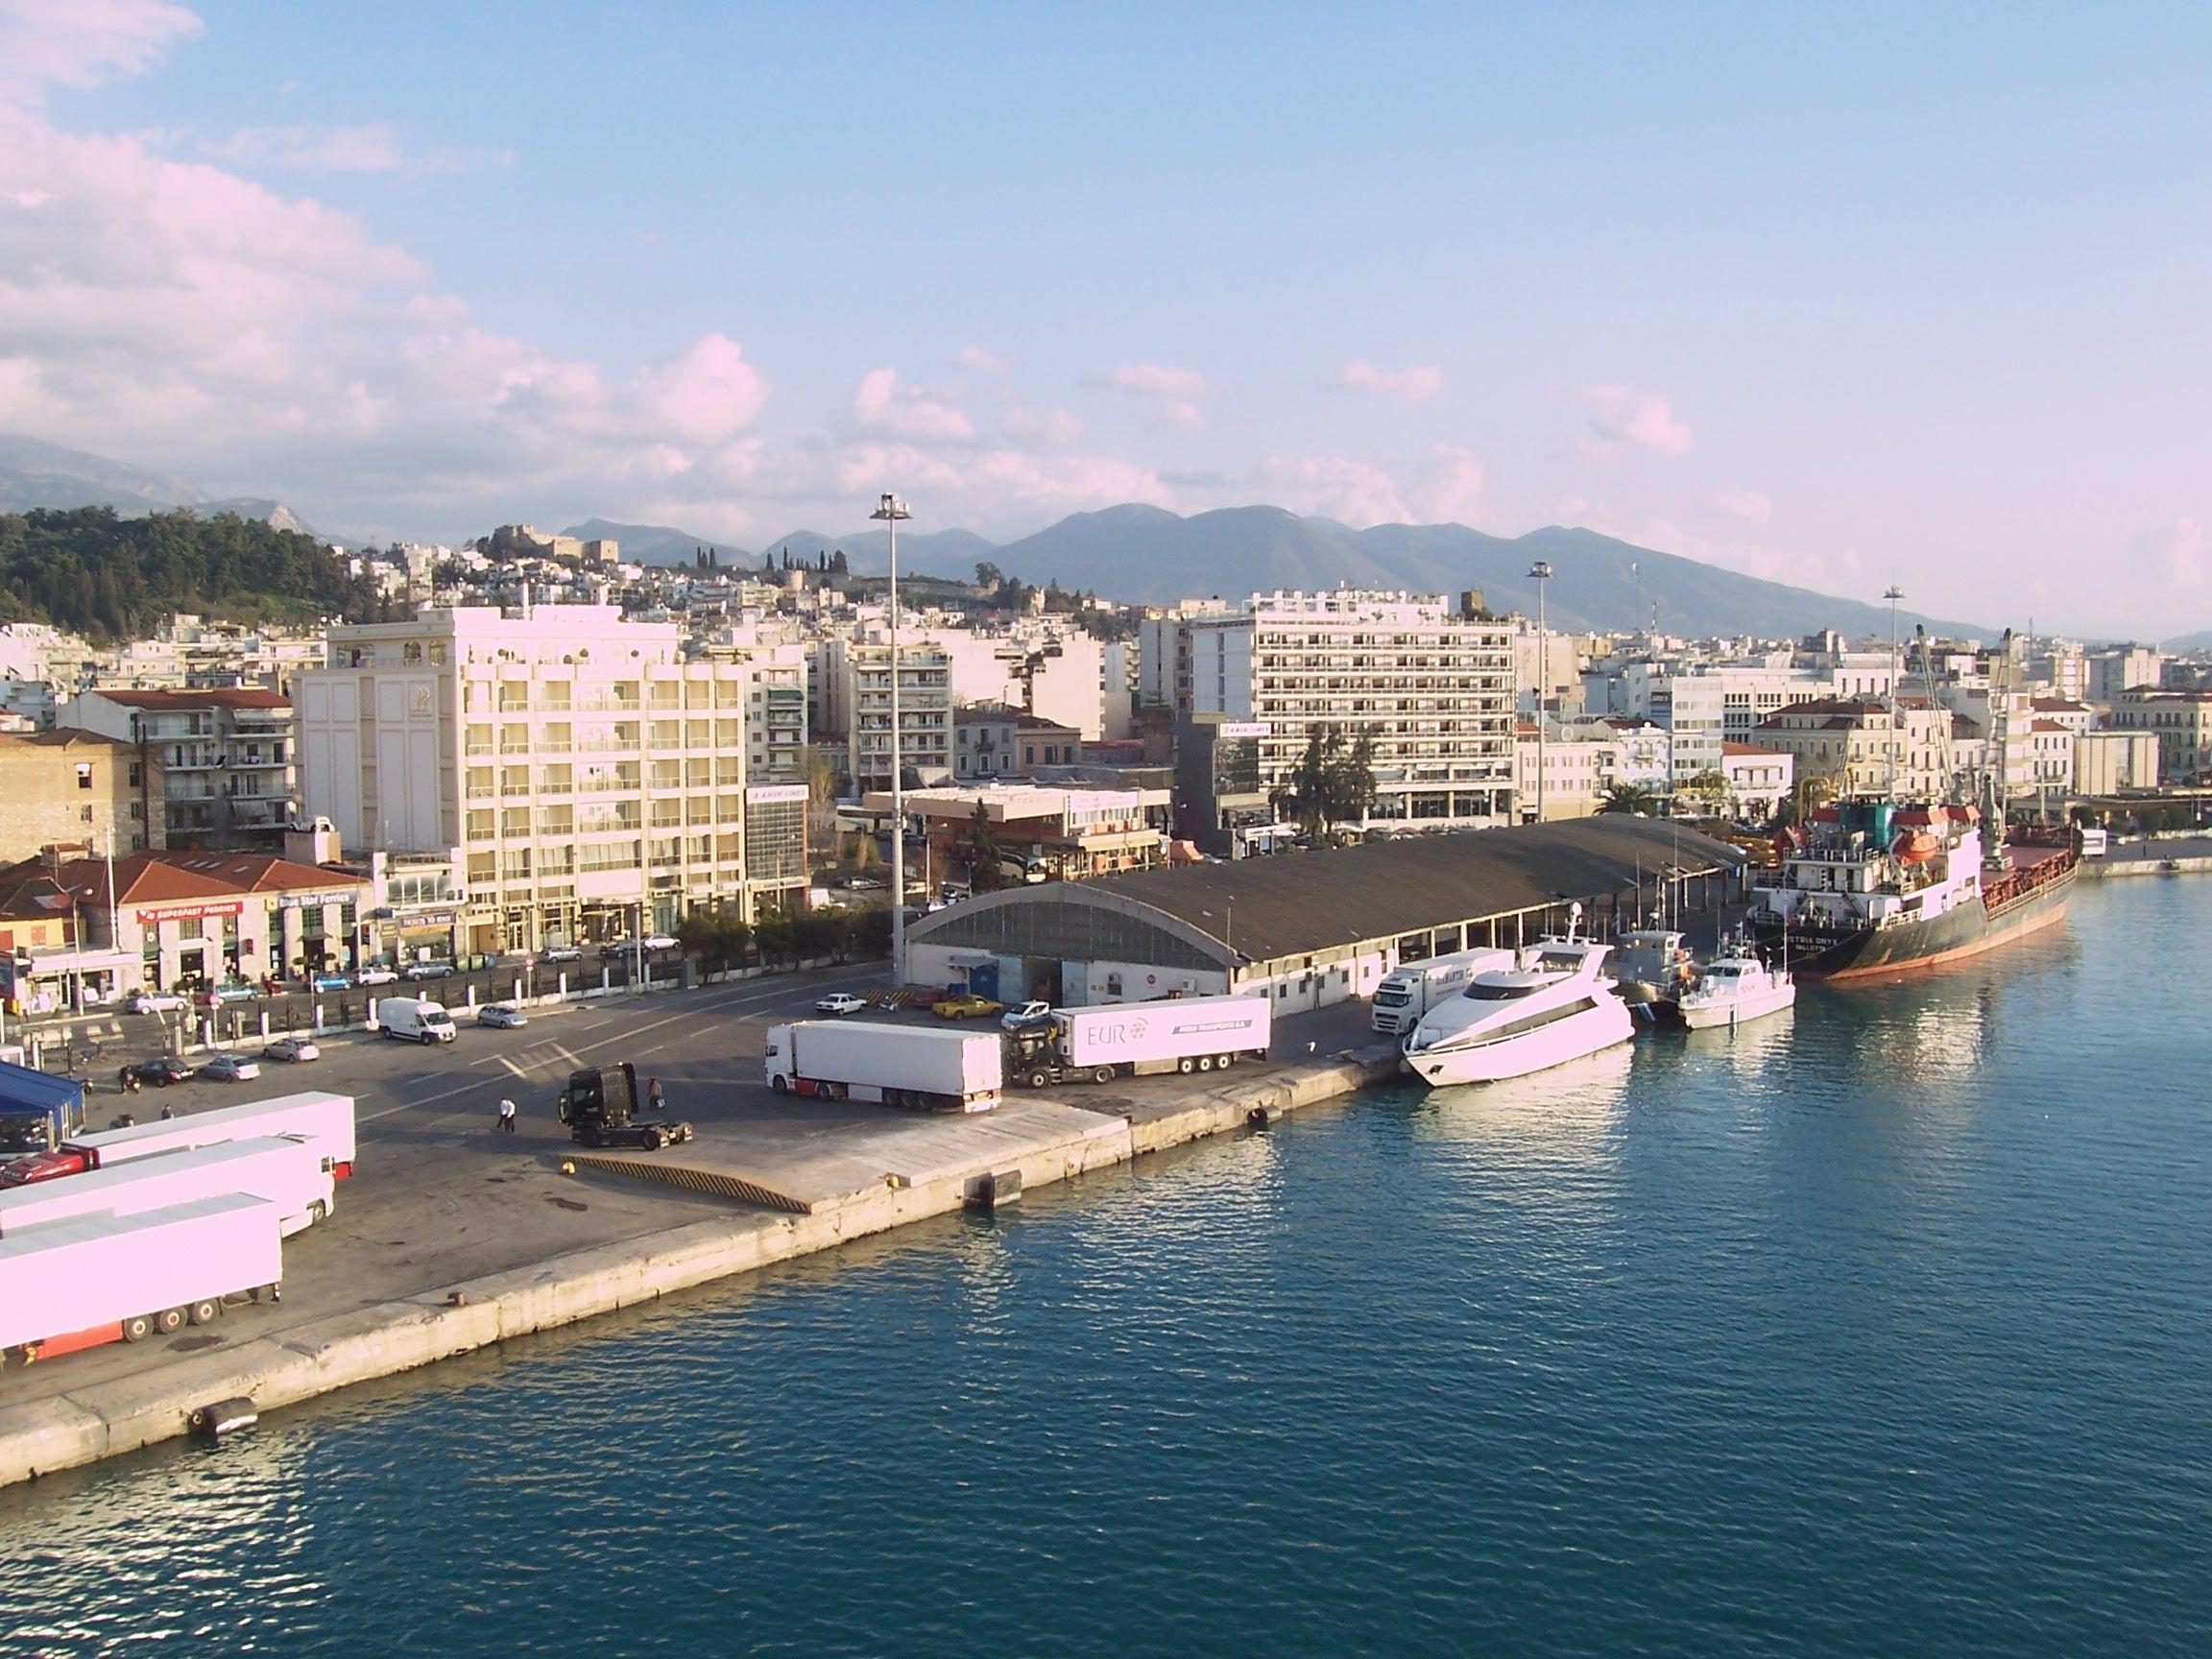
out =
column 1841, row 296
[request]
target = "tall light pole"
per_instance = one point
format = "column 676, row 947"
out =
column 1896, row 717
column 891, row 509
column 1540, row 573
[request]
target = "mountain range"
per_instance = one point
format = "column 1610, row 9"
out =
column 36, row 473
column 1149, row 555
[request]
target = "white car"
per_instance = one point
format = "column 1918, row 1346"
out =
column 229, row 1069
column 1029, row 1014
column 292, row 1049
column 502, row 1016
column 154, row 1002
column 564, row 954
column 660, row 942
column 840, row 1003
column 376, row 976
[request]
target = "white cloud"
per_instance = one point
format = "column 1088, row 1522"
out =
column 2169, row 558
column 1447, row 487
column 988, row 362
column 883, row 408
column 707, row 395
column 1416, row 384
column 1743, row 507
column 79, row 43
column 1173, row 392
column 1042, row 428
column 1622, row 418
column 368, row 149
column 1355, row 492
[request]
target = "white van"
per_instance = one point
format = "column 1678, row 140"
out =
column 415, row 1019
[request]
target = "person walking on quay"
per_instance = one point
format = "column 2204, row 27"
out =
column 652, row 1096
column 507, row 1116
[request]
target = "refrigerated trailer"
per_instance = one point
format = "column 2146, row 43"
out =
column 1408, row 992
column 1143, row 1039
column 325, row 1122
column 896, row 1065
column 77, row 1283
column 279, row 1169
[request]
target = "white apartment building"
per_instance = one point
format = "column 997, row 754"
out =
column 1430, row 686
column 2107, row 763
column 1706, row 705
column 1758, row 781
column 2180, row 720
column 1575, row 766
column 2123, row 668
column 924, row 711
column 225, row 757
column 587, row 779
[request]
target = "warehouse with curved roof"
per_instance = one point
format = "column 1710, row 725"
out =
column 1314, row 927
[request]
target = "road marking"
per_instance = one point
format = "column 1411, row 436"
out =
column 424, row 1099
column 512, row 1067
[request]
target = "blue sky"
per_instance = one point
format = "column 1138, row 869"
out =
column 1907, row 295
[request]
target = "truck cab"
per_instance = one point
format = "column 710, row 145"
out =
column 599, row 1105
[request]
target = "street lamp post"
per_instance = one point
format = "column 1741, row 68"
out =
column 1540, row 573
column 891, row 509
column 1896, row 718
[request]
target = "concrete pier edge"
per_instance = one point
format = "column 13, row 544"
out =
column 383, row 1339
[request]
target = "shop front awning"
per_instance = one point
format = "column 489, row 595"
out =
column 55, row 964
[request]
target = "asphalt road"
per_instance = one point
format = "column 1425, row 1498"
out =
column 404, row 1090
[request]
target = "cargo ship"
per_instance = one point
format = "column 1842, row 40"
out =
column 1870, row 887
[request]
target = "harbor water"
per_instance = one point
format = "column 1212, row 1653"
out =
column 1880, row 1328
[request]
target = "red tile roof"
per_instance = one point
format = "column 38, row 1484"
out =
column 179, row 878
column 219, row 697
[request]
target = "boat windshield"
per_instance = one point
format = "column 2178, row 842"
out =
column 1483, row 993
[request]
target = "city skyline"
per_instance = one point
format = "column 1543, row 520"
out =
column 1832, row 302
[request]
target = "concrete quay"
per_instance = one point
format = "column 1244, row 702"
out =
column 767, row 1180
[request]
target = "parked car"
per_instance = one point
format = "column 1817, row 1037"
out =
column 154, row 1002
column 376, row 976
column 234, row 990
column 292, row 1049
column 501, row 1016
column 1029, row 1014
column 162, row 1070
column 229, row 1069
column 661, row 942
column 965, row 1007
column 331, row 983
column 429, row 970
column 564, row 954
column 840, row 1003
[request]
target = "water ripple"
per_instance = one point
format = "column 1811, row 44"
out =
column 1879, row 1330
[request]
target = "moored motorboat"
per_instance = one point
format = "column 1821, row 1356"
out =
column 1555, row 1003
column 1735, row 987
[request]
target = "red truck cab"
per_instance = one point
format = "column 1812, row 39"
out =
column 44, row 1166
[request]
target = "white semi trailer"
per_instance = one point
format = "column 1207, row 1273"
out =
column 325, row 1122
column 1408, row 992
column 896, row 1065
column 1142, row 1039
column 287, row 1172
column 77, row 1283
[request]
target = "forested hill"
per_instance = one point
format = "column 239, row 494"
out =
column 91, row 571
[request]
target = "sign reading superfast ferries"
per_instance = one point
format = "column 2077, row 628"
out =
column 197, row 912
